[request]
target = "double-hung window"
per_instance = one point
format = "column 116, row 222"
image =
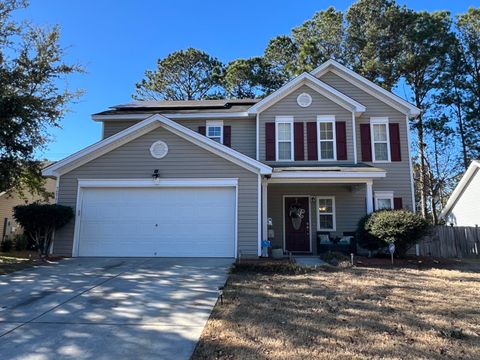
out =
column 284, row 138
column 383, row 200
column 326, row 213
column 326, row 136
column 214, row 130
column 380, row 139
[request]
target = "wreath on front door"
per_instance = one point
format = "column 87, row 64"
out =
column 296, row 214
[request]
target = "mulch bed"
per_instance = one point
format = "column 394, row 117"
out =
column 415, row 262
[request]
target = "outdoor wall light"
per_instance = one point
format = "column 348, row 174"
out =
column 155, row 175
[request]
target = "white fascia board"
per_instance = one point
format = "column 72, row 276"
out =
column 207, row 115
column 179, row 115
column 315, row 84
column 457, row 192
column 102, row 147
column 356, row 180
column 188, row 182
column 378, row 92
column 327, row 175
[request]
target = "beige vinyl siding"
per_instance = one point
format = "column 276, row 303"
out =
column 112, row 127
column 184, row 160
column 349, row 206
column 320, row 106
column 11, row 199
column 398, row 177
column 243, row 131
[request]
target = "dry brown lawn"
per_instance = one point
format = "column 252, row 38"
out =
column 18, row 260
column 353, row 313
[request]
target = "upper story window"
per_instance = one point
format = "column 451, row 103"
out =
column 214, row 130
column 326, row 137
column 284, row 138
column 380, row 139
column 383, row 200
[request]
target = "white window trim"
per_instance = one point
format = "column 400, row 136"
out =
column 284, row 120
column 333, row 213
column 326, row 119
column 383, row 195
column 214, row 123
column 380, row 121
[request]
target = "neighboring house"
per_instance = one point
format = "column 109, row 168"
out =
column 203, row 178
column 10, row 199
column 463, row 206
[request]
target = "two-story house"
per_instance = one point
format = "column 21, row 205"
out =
column 209, row 178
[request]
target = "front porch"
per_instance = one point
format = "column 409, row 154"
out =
column 300, row 205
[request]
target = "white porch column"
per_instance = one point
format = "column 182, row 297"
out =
column 369, row 193
column 264, row 210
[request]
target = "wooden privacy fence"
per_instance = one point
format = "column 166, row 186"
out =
column 451, row 241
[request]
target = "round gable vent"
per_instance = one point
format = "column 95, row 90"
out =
column 159, row 149
column 304, row 100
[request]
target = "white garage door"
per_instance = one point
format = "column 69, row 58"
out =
column 170, row 222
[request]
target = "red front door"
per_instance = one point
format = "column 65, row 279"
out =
column 297, row 224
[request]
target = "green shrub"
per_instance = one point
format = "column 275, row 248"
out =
column 21, row 242
column 6, row 245
column 400, row 227
column 39, row 221
column 366, row 239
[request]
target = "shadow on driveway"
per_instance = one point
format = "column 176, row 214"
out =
column 104, row 308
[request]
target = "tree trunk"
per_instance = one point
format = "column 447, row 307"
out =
column 461, row 130
column 432, row 198
column 421, row 154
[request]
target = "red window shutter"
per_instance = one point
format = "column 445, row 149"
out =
column 270, row 141
column 397, row 203
column 202, row 130
column 341, row 134
column 227, row 136
column 395, row 150
column 312, row 141
column 298, row 141
column 366, row 142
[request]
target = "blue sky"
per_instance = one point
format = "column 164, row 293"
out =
column 117, row 40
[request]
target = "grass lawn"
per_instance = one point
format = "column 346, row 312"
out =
column 18, row 260
column 410, row 312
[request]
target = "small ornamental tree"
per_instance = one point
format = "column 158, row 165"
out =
column 39, row 222
column 400, row 227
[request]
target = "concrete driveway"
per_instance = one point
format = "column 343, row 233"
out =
column 108, row 308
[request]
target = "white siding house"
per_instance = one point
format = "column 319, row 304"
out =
column 463, row 207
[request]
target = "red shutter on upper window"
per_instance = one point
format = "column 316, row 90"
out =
column 397, row 203
column 366, row 142
column 312, row 141
column 227, row 136
column 341, row 135
column 202, row 130
column 298, row 141
column 270, row 141
column 395, row 150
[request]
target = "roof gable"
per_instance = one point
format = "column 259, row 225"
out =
column 368, row 86
column 314, row 83
column 102, row 147
column 460, row 188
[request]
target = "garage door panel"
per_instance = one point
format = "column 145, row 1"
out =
column 157, row 222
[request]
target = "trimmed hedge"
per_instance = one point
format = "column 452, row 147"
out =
column 400, row 227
